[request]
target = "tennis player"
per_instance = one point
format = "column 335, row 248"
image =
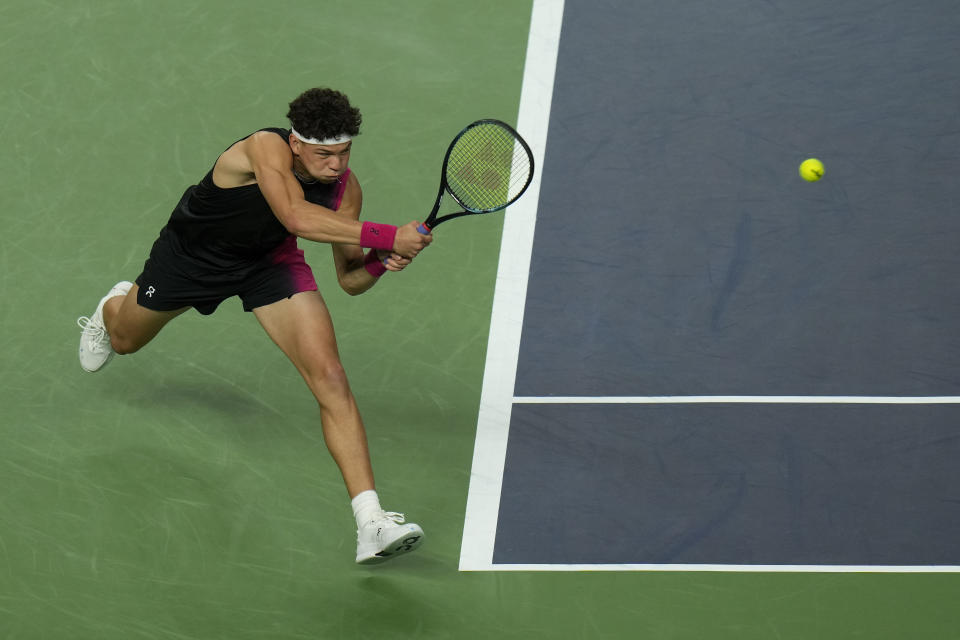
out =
column 235, row 234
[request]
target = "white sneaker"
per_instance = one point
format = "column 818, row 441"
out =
column 95, row 349
column 387, row 537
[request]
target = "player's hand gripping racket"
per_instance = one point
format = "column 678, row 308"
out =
column 487, row 167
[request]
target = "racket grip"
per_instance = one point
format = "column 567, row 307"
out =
column 423, row 229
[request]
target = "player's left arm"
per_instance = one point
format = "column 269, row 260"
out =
column 354, row 271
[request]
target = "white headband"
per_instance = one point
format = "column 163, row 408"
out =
column 338, row 139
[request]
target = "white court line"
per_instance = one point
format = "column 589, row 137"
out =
column 747, row 568
column 739, row 400
column 509, row 299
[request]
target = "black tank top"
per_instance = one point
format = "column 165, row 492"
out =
column 230, row 228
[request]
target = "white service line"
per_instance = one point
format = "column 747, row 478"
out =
column 738, row 400
column 741, row 568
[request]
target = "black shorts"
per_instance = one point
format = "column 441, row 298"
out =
column 171, row 282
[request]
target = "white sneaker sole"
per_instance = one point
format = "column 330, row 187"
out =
column 409, row 539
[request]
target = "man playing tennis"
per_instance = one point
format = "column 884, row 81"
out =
column 235, row 234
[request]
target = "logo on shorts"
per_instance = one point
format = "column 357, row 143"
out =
column 150, row 291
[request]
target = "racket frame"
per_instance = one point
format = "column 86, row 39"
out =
column 432, row 220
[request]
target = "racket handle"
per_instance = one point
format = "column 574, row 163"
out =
column 423, row 228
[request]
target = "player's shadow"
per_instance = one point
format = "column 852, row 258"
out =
column 219, row 397
column 218, row 405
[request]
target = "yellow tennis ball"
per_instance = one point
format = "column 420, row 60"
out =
column 811, row 170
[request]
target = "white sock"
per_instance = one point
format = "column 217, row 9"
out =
column 366, row 507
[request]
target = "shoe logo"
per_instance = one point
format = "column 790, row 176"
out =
column 150, row 292
column 407, row 544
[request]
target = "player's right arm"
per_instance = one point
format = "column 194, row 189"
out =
column 271, row 162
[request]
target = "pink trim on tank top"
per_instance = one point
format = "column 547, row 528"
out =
column 300, row 273
column 341, row 188
column 290, row 254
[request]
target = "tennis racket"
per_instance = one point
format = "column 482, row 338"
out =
column 487, row 167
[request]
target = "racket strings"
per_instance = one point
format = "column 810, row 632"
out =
column 487, row 168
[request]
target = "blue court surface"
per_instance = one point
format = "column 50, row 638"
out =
column 697, row 359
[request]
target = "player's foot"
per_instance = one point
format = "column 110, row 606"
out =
column 95, row 349
column 387, row 537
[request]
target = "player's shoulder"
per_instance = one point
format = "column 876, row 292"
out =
column 240, row 163
column 266, row 144
column 272, row 137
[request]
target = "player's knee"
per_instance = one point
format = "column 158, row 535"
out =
column 122, row 343
column 328, row 380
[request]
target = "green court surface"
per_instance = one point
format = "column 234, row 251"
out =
column 184, row 492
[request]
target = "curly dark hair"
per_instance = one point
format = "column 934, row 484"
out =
column 324, row 113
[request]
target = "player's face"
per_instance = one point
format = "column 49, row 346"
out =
column 325, row 162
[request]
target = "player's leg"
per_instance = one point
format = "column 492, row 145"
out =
column 302, row 328
column 132, row 326
column 119, row 325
